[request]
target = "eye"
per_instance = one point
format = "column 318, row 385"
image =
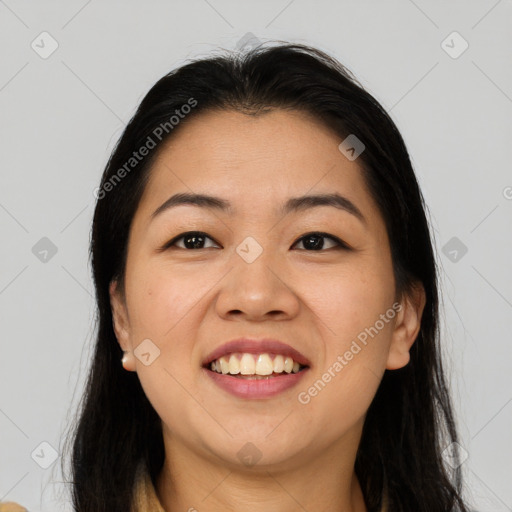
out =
column 315, row 241
column 311, row 241
column 191, row 240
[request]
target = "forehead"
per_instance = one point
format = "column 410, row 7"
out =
column 254, row 161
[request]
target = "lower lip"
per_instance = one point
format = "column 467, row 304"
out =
column 256, row 388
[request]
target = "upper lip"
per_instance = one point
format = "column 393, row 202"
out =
column 257, row 346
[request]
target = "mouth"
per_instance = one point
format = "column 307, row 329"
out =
column 255, row 368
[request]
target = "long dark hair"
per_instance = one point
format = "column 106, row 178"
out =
column 410, row 421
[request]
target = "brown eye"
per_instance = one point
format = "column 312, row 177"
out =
column 191, row 240
column 315, row 242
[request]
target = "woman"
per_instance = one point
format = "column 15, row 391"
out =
column 267, row 303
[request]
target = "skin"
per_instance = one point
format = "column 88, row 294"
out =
column 190, row 301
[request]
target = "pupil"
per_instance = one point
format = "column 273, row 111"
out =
column 314, row 245
column 197, row 241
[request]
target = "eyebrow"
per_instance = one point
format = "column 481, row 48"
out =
column 293, row 204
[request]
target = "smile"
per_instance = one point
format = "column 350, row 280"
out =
column 255, row 369
column 247, row 365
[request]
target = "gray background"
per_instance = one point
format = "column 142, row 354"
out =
column 61, row 115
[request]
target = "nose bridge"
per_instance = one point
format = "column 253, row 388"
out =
column 253, row 263
column 255, row 286
column 250, row 250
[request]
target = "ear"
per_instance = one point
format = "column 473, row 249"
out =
column 120, row 319
column 407, row 327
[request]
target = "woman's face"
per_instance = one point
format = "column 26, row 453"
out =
column 259, row 274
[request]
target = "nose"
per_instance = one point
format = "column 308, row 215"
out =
column 257, row 290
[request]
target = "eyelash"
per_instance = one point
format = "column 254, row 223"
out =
column 340, row 243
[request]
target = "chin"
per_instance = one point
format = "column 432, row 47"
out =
column 257, row 451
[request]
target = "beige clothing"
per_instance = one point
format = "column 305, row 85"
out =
column 144, row 496
column 11, row 507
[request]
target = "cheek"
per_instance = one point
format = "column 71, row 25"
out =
column 349, row 300
column 162, row 308
column 356, row 315
column 341, row 388
column 163, row 299
column 164, row 304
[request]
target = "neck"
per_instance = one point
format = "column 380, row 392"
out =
column 205, row 484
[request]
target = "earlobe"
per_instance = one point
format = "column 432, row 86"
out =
column 407, row 327
column 121, row 326
column 128, row 361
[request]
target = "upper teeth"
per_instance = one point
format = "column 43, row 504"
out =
column 254, row 364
